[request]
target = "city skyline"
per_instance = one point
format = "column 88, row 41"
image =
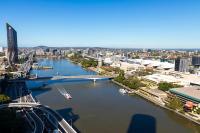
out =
column 120, row 24
column 95, row 66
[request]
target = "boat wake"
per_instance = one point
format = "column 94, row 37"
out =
column 65, row 93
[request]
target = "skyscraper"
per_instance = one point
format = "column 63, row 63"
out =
column 12, row 51
column 196, row 60
column 181, row 65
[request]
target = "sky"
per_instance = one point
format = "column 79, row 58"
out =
column 103, row 23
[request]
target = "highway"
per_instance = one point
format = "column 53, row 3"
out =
column 45, row 119
column 25, row 67
column 49, row 124
column 39, row 125
column 37, row 122
column 56, row 119
column 63, row 125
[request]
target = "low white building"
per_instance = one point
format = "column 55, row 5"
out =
column 1, row 49
column 152, row 63
column 108, row 61
column 183, row 79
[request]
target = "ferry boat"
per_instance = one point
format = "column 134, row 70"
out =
column 65, row 93
column 123, row 91
column 68, row 96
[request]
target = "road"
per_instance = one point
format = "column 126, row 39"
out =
column 48, row 119
column 63, row 125
column 55, row 119
column 39, row 125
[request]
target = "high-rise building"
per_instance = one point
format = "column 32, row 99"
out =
column 1, row 49
column 182, row 65
column 91, row 52
column 196, row 60
column 100, row 62
column 12, row 51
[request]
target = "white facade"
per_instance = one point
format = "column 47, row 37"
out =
column 1, row 49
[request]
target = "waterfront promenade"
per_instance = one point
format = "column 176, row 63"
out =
column 156, row 101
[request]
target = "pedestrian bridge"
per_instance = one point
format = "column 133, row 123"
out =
column 92, row 77
column 86, row 77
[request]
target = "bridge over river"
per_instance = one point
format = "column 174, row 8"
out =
column 59, row 77
column 93, row 77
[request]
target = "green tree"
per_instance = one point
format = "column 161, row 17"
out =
column 198, row 111
column 4, row 98
column 120, row 78
column 164, row 86
column 89, row 63
column 76, row 58
column 175, row 104
column 133, row 83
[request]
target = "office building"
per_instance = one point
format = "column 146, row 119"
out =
column 100, row 62
column 12, row 51
column 182, row 65
column 196, row 60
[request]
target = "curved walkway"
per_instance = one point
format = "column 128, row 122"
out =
column 64, row 126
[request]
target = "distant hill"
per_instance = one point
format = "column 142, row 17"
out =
column 41, row 46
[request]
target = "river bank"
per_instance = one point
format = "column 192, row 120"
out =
column 126, row 87
column 157, row 103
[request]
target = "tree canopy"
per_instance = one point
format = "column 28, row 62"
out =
column 89, row 63
column 4, row 98
column 164, row 86
column 132, row 82
column 175, row 103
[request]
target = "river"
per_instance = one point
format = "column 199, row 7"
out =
column 99, row 107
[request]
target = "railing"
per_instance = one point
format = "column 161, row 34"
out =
column 61, row 120
column 33, row 126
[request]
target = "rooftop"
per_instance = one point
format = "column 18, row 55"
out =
column 189, row 92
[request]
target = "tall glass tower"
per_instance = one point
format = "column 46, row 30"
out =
column 12, row 51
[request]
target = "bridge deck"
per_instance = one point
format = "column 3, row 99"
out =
column 82, row 77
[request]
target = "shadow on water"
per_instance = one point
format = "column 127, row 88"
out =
column 70, row 117
column 141, row 123
column 48, row 82
column 39, row 87
column 40, row 90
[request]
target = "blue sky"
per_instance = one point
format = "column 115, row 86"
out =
column 103, row 23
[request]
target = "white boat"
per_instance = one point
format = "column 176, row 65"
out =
column 68, row 96
column 65, row 94
column 123, row 91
